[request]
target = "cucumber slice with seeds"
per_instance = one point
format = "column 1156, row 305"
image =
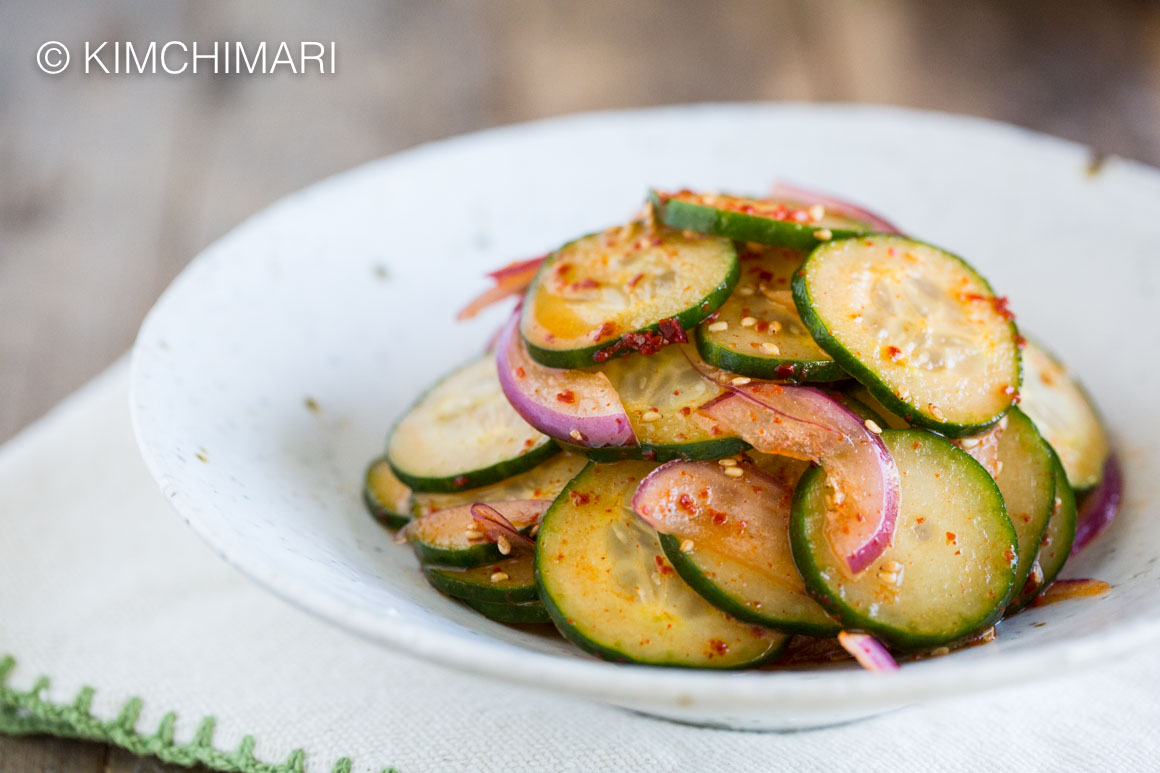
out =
column 951, row 567
column 758, row 332
column 1026, row 479
column 623, row 281
column 1065, row 415
column 916, row 326
column 528, row 613
column 463, row 434
column 386, row 497
column 487, row 582
column 782, row 223
column 542, row 482
column 660, row 394
column 606, row 583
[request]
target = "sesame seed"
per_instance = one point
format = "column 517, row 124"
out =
column 935, row 411
column 987, row 636
column 498, row 576
column 998, row 468
column 768, row 348
column 575, row 434
column 746, row 291
column 892, row 566
column 775, row 327
column 734, row 472
column 1003, row 422
column 969, row 442
column 504, row 546
column 717, row 327
column 473, row 533
column 938, row 652
column 687, row 546
column 650, row 416
column 534, row 530
column 823, row 234
column 817, row 212
column 727, row 462
column 740, row 380
column 873, row 426
column 748, row 321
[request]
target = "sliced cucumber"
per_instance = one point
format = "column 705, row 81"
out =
column 625, row 281
column 1065, row 415
column 1058, row 537
column 452, row 538
column 781, row 223
column 385, row 496
column 951, row 567
column 660, row 394
column 1026, row 478
column 528, row 613
column 505, row 582
column 891, row 419
column 606, row 583
column 463, row 434
column 758, row 332
column 916, row 326
column 542, row 482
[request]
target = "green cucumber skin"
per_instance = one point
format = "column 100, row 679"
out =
column 741, row 227
column 392, row 520
column 466, row 558
column 445, row 581
column 865, row 376
column 582, row 358
column 850, row 617
column 702, row 450
column 526, row 613
column 569, row 632
column 1067, row 512
column 1021, row 577
column 804, row 371
column 476, row 478
column 711, row 592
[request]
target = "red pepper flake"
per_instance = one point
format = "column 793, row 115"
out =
column 567, row 396
column 1020, row 341
column 762, row 326
column 719, row 518
column 893, row 353
column 686, row 411
column 646, row 341
column 718, row 646
column 633, row 282
column 920, row 519
column 580, row 498
column 951, row 538
column 649, row 455
column 605, row 330
column 786, row 370
column 999, row 302
column 460, row 481
column 520, row 373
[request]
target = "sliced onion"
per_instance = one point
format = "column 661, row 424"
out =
column 805, row 423
column 736, row 516
column 868, row 651
column 838, row 206
column 1100, row 507
column 577, row 406
column 496, row 526
column 510, row 280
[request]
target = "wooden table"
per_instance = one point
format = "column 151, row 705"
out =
column 109, row 185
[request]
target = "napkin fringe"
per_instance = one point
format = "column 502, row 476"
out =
column 28, row 713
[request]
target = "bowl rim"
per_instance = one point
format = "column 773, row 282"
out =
column 592, row 678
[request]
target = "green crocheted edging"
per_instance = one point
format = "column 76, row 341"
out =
column 27, row 713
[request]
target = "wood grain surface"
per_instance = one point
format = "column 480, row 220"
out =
column 110, row 184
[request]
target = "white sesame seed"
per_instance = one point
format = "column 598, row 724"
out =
column 873, row 426
column 727, row 462
column 504, row 546
column 746, row 291
column 969, row 442
column 740, row 380
column 734, row 472
column 892, row 566
column 817, row 212
column 998, row 468
column 768, row 348
column 748, row 321
column 687, row 546
column 717, row 327
column 938, row 652
column 534, row 530
column 839, row 496
column 473, row 533
column 1003, row 422
column 935, row 411
column 498, row 576
column 650, row 416
column 575, row 434
column 823, row 234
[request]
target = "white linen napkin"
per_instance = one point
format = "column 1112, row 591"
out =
column 106, row 594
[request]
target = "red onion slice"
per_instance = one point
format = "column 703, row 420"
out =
column 868, row 651
column 510, row 280
column 739, row 517
column 805, row 423
column 1100, row 507
column 577, row 406
column 838, row 206
column 496, row 527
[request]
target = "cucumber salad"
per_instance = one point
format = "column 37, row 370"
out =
column 737, row 421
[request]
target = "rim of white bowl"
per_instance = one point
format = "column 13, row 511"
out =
column 592, row 678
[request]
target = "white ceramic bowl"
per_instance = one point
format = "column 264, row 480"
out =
column 343, row 296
